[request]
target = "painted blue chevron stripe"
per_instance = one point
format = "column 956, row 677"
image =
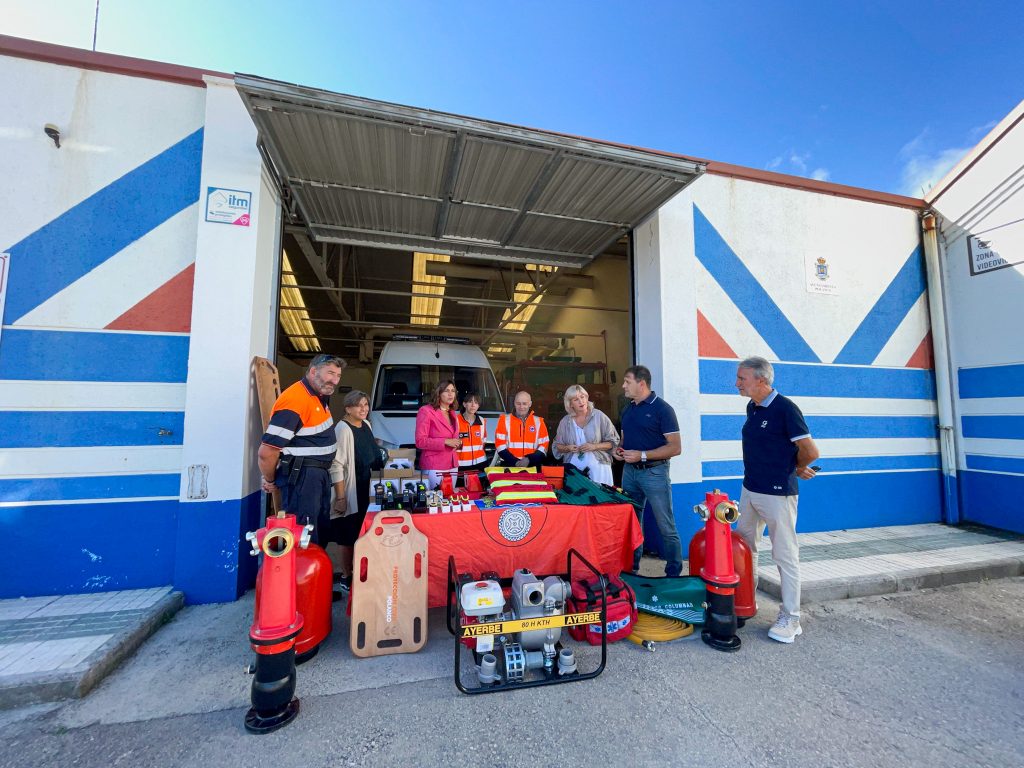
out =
column 996, row 464
column 720, row 427
column 734, row 468
column 77, row 429
column 992, row 381
column 892, row 306
column 91, row 487
column 30, row 355
column 82, row 238
column 718, row 377
column 1003, row 427
column 747, row 293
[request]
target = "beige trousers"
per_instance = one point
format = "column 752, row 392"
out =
column 779, row 514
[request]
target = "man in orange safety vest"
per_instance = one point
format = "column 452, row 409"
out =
column 521, row 438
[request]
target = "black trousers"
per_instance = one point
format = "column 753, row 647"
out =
column 309, row 499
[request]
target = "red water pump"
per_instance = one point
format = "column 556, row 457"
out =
column 276, row 625
column 718, row 569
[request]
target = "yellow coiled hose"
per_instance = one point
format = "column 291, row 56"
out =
column 650, row 628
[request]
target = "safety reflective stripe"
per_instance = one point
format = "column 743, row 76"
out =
column 314, row 451
column 472, row 450
column 287, row 434
column 301, row 423
column 520, row 446
column 317, row 429
column 543, row 484
column 505, row 497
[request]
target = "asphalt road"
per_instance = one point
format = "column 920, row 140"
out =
column 932, row 678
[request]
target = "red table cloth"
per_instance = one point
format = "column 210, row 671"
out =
column 503, row 539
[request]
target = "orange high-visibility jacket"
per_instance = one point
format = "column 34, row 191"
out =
column 472, row 451
column 300, row 424
column 520, row 437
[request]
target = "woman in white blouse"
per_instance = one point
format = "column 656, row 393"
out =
column 586, row 436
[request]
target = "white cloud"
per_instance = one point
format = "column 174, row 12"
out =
column 798, row 163
column 922, row 172
column 923, row 168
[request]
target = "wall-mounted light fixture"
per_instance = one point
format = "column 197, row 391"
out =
column 53, row 132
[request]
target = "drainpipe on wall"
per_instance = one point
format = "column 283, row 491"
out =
column 943, row 372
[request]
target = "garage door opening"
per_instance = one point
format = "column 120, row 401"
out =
column 542, row 328
column 407, row 221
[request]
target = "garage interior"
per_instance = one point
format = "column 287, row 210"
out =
column 400, row 220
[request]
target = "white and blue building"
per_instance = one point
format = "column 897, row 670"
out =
column 139, row 275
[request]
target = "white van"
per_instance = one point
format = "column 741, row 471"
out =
column 407, row 372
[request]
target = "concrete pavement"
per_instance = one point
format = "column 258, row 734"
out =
column 53, row 648
column 924, row 678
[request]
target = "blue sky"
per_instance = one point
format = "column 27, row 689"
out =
column 884, row 95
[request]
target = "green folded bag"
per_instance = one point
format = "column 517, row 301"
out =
column 674, row 597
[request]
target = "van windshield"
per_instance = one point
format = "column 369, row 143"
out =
column 407, row 387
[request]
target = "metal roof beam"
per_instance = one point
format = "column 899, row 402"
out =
column 448, row 185
column 351, row 188
column 450, row 246
column 319, row 267
column 470, row 272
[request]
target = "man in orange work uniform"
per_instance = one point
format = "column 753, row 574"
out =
column 521, row 439
column 299, row 445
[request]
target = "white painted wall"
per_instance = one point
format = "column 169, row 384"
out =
column 982, row 201
column 986, row 202
column 666, row 320
column 110, row 125
column 773, row 231
column 231, row 315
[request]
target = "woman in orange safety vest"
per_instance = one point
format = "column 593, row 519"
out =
column 473, row 432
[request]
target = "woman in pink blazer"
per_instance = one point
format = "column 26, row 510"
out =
column 437, row 432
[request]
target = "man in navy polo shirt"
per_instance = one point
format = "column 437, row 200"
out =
column 777, row 449
column 650, row 437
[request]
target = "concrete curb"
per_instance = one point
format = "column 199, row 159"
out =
column 41, row 687
column 823, row 590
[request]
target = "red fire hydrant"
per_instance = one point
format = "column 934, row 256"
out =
column 276, row 625
column 719, row 571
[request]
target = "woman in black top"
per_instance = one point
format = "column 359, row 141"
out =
column 358, row 455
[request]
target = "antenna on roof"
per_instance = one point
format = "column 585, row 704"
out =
column 95, row 24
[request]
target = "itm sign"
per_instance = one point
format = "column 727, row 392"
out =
column 228, row 206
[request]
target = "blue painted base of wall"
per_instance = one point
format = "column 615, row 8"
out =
column 828, row 503
column 213, row 563
column 63, row 549
column 992, row 500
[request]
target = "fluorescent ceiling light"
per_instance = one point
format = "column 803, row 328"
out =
column 424, row 310
column 295, row 321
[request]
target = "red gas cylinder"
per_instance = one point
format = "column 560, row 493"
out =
column 743, row 562
column 313, row 593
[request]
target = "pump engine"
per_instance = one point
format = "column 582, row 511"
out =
column 508, row 658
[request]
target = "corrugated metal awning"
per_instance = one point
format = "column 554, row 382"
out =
column 370, row 173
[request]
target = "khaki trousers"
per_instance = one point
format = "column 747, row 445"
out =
column 779, row 514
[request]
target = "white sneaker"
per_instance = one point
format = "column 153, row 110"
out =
column 786, row 628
